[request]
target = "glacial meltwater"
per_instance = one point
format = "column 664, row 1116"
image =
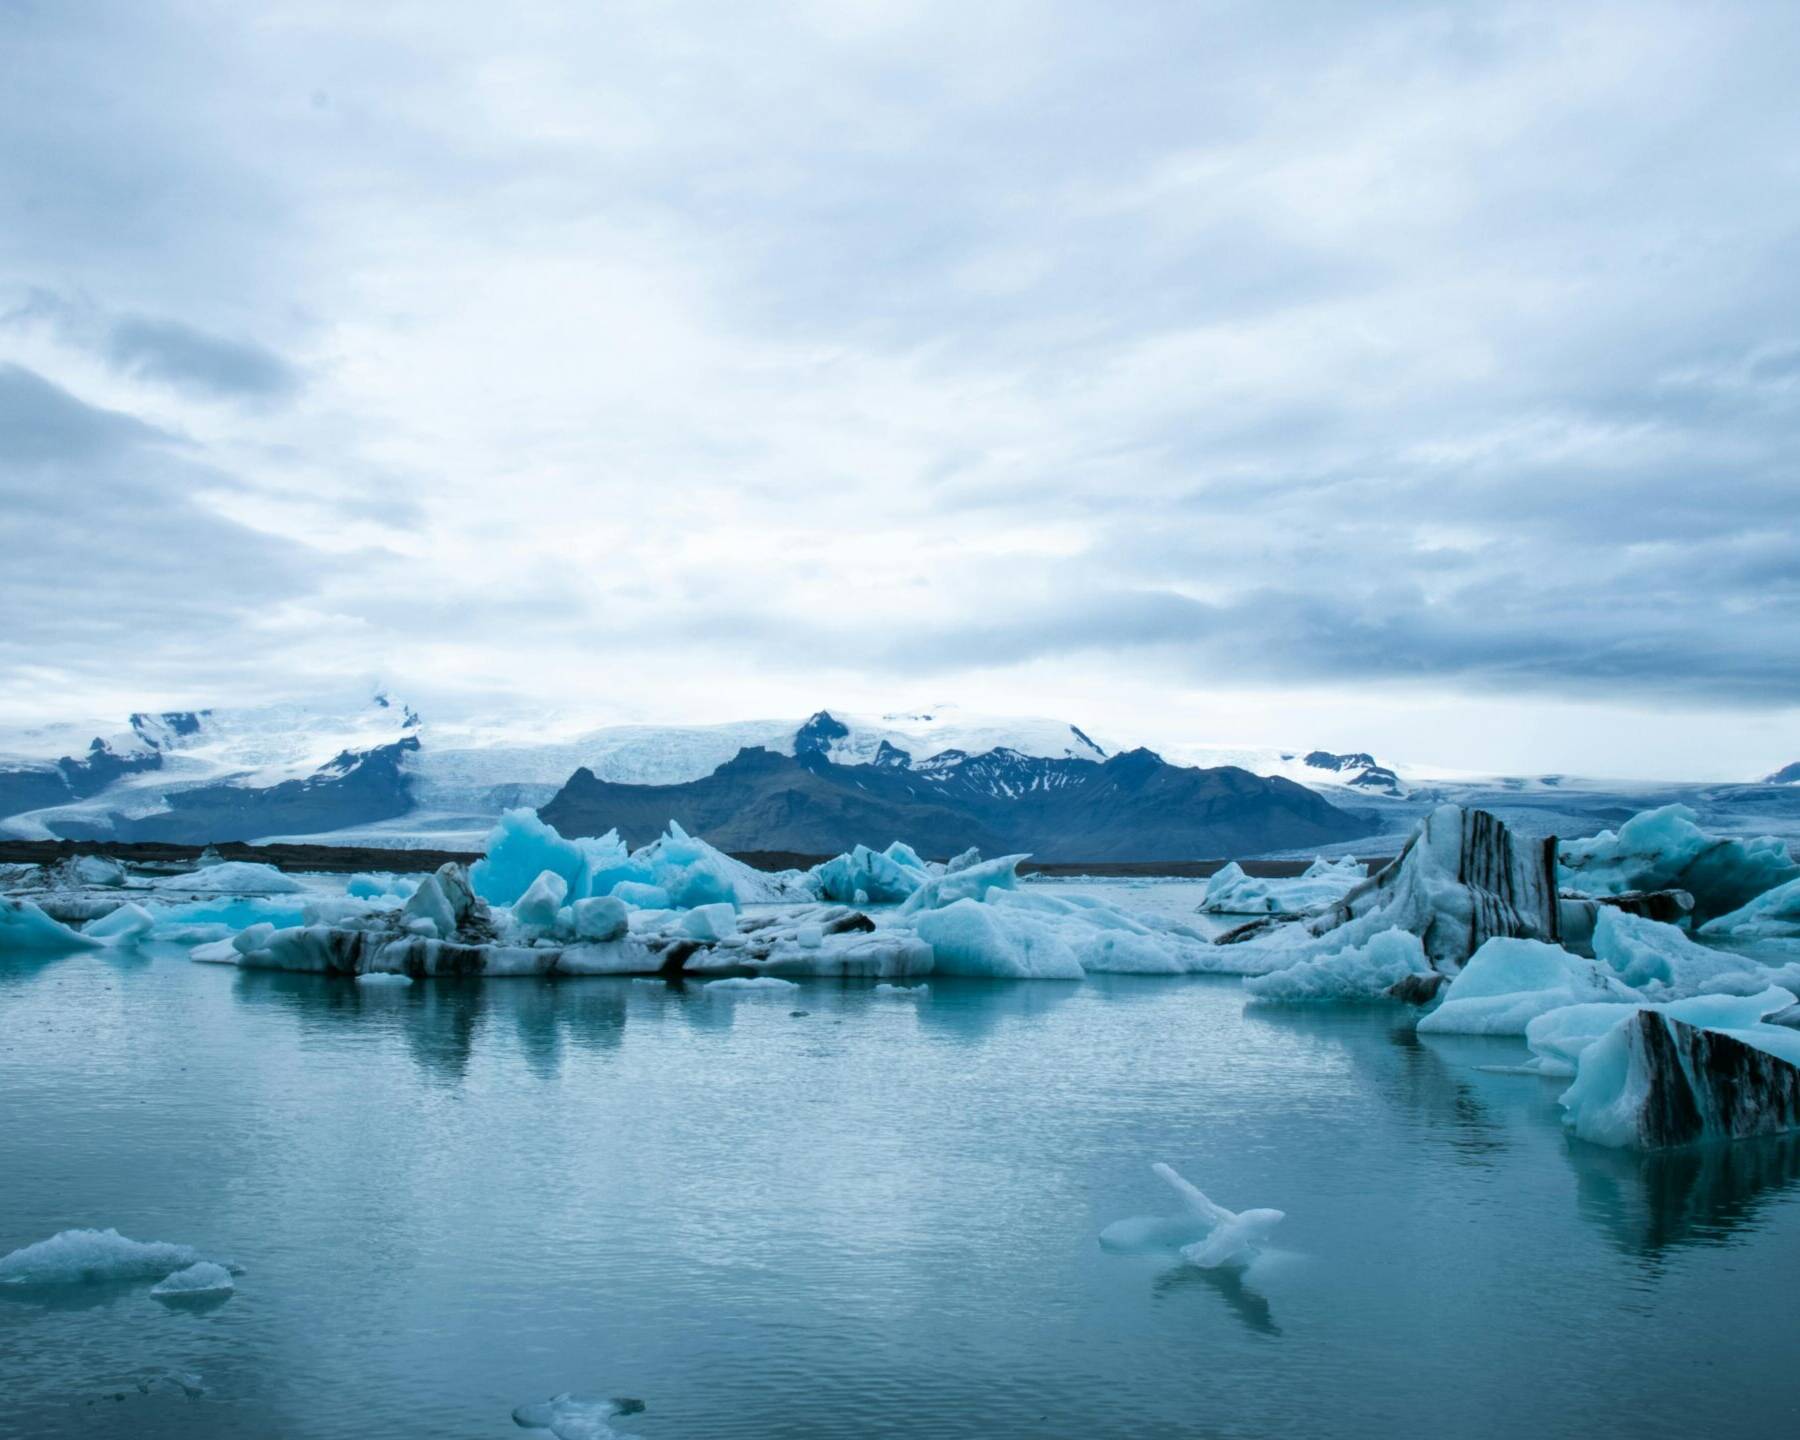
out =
column 849, row 1210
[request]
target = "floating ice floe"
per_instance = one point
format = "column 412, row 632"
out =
column 1207, row 1234
column 202, row 1280
column 1665, row 849
column 1773, row 915
column 1231, row 892
column 231, row 877
column 576, row 1417
column 1661, row 960
column 77, row 1257
column 738, row 984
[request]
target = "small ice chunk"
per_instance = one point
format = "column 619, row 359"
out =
column 809, row 937
column 642, row 896
column 903, row 992
column 600, row 917
column 1773, row 915
column 541, row 900
column 710, row 922
column 218, row 952
column 201, row 1280
column 99, row 870
column 77, row 1257
column 252, row 937
column 429, row 902
column 378, row 979
column 1207, row 1234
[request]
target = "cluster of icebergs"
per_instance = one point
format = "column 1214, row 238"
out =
column 1587, row 951
column 1673, row 957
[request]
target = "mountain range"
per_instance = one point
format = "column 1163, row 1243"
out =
column 375, row 773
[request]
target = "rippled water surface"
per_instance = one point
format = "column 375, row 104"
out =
column 877, row 1218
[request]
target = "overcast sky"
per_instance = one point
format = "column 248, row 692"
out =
column 1415, row 378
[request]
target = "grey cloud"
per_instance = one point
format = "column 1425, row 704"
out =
column 190, row 359
column 42, row 423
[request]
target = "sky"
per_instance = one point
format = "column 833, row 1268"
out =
column 1421, row 379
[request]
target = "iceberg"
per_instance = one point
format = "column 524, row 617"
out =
column 25, row 928
column 1375, row 971
column 1656, row 1081
column 232, row 877
column 1207, row 1234
column 1460, row 880
column 539, row 905
column 1559, row 1037
column 1508, row 983
column 687, row 870
column 81, row 1257
column 880, row 877
column 1232, row 892
column 1665, row 849
column 599, row 917
column 972, row 882
column 1773, row 915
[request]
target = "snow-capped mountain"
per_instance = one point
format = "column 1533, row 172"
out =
column 375, row 772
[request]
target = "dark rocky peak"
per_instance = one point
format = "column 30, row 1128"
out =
column 155, row 729
column 102, row 765
column 818, row 733
column 1786, row 775
column 754, row 760
column 1085, row 739
column 1134, row 765
column 1327, row 760
column 891, row 757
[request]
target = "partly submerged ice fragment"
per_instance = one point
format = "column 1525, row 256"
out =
column 1207, row 1234
column 74, row 1257
column 576, row 1417
column 1231, row 892
column 202, row 1280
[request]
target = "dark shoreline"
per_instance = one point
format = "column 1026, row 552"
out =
column 344, row 859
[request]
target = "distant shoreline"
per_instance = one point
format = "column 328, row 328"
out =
column 346, row 859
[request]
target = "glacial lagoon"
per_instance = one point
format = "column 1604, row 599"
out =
column 879, row 1217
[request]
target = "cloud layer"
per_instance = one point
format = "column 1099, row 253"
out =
column 1303, row 369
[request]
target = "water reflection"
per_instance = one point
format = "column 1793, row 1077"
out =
column 1401, row 1068
column 1651, row 1203
column 971, row 1011
column 1249, row 1305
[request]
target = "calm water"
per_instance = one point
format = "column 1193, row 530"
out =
column 877, row 1219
